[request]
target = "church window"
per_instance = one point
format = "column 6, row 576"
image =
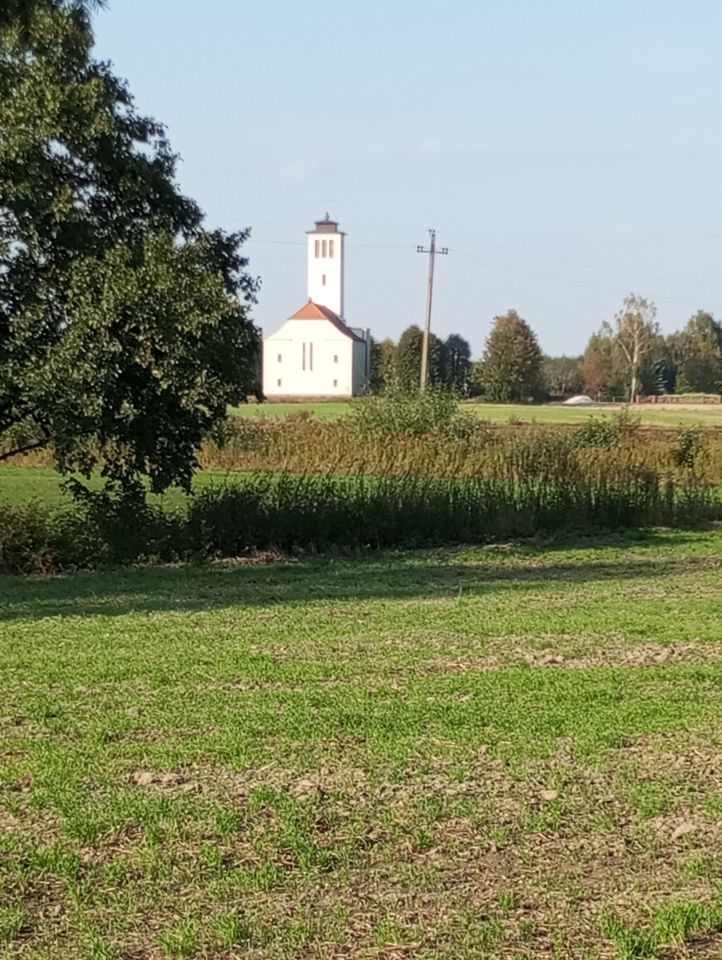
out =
column 335, row 358
column 335, row 383
column 280, row 358
column 323, row 280
column 310, row 356
column 303, row 356
column 317, row 245
column 330, row 248
column 323, row 248
column 278, row 383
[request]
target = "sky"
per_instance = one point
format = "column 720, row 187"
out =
column 567, row 152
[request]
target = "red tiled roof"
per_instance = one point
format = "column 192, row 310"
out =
column 315, row 311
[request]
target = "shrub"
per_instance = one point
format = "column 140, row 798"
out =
column 596, row 432
column 26, row 540
column 689, row 449
column 398, row 413
column 117, row 525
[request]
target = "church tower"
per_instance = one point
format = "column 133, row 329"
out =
column 325, row 265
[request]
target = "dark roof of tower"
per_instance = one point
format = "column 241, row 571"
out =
column 327, row 225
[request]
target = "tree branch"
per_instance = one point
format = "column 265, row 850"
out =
column 26, row 449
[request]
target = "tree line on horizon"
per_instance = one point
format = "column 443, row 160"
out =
column 624, row 359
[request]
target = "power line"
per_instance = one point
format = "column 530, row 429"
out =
column 580, row 284
column 589, row 286
column 577, row 263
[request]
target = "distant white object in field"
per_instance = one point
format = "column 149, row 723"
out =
column 581, row 400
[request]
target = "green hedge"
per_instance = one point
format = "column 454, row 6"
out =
column 288, row 512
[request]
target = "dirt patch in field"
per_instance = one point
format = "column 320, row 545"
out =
column 645, row 655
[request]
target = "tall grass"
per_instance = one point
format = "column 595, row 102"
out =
column 290, row 511
column 402, row 440
column 400, row 472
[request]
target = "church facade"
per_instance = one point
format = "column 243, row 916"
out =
column 315, row 353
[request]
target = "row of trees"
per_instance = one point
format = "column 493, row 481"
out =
column 511, row 368
column 625, row 358
column 399, row 364
column 632, row 356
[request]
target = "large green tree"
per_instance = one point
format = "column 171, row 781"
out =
column 512, row 363
column 603, row 376
column 382, row 375
column 699, row 360
column 407, row 361
column 562, row 376
column 458, row 362
column 124, row 327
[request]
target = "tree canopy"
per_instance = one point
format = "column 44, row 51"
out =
column 458, row 362
column 633, row 334
column 408, row 360
column 512, row 363
column 562, row 376
column 124, row 325
column 699, row 354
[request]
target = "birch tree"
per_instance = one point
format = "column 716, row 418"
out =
column 635, row 328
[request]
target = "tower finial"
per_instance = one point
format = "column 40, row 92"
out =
column 328, row 218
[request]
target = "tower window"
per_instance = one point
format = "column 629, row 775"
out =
column 330, row 248
column 278, row 383
column 323, row 280
column 280, row 358
column 317, row 245
column 335, row 383
column 323, row 248
column 335, row 358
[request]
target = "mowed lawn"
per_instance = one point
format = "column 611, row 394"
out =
column 540, row 413
column 511, row 752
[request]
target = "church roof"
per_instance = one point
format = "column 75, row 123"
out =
column 316, row 311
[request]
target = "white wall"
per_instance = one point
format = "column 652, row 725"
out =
column 328, row 343
column 325, row 274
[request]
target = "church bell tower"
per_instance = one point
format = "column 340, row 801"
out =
column 325, row 265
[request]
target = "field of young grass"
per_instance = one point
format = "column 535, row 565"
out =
column 473, row 753
column 20, row 484
column 541, row 413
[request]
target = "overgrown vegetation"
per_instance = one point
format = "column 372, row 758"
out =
column 544, row 484
column 399, row 470
column 432, row 435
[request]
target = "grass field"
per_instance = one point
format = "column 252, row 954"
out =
column 18, row 484
column 511, row 752
column 653, row 416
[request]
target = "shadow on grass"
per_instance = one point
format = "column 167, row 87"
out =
column 437, row 574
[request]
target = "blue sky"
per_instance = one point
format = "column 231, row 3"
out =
column 567, row 152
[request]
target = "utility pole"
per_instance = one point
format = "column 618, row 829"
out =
column 432, row 251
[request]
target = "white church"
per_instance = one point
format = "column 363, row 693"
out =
column 315, row 353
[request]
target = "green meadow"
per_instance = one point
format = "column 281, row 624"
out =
column 541, row 413
column 20, row 484
column 464, row 753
